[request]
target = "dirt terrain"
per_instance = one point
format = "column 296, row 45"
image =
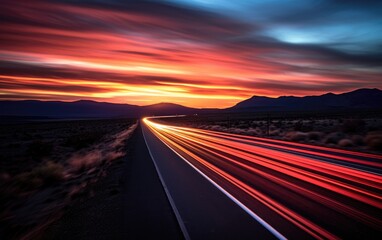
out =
column 48, row 165
column 129, row 203
column 347, row 131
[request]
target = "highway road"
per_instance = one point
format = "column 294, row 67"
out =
column 227, row 186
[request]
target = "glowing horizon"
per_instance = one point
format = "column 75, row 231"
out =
column 184, row 52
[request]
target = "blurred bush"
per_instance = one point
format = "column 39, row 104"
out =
column 334, row 137
column 345, row 143
column 45, row 174
column 296, row 136
column 316, row 136
column 374, row 140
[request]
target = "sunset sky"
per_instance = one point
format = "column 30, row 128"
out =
column 198, row 53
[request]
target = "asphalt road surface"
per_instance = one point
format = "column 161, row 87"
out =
column 227, row 186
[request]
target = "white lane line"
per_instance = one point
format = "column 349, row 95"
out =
column 235, row 200
column 172, row 203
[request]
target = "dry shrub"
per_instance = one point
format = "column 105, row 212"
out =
column 100, row 153
column 296, row 136
column 121, row 137
column 274, row 132
column 333, row 138
column 251, row 132
column 238, row 131
column 50, row 172
column 345, row 143
column 83, row 161
column 215, row 128
column 114, row 155
column 374, row 140
column 254, row 131
column 46, row 174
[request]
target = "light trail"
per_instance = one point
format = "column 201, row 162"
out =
column 284, row 183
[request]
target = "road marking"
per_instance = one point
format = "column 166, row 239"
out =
column 172, row 203
column 235, row 200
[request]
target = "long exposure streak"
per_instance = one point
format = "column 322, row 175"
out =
column 300, row 190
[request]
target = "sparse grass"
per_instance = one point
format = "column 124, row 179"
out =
column 374, row 140
column 345, row 143
column 24, row 146
column 333, row 138
column 50, row 172
column 43, row 175
column 35, row 161
column 296, row 136
column 350, row 131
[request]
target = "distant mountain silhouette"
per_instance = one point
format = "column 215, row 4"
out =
column 91, row 109
column 166, row 109
column 358, row 99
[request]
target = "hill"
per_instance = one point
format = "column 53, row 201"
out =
column 87, row 109
column 358, row 99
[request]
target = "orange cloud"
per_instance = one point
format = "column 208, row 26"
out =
column 60, row 51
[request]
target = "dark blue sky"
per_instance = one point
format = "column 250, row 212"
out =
column 353, row 26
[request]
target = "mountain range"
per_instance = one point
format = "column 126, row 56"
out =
column 364, row 98
column 358, row 99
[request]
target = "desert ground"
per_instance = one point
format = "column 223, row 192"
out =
column 47, row 165
column 358, row 132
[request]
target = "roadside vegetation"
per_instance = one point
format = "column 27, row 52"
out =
column 45, row 166
column 348, row 131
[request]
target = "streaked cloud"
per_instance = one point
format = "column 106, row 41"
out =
column 144, row 52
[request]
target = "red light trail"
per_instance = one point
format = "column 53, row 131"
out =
column 299, row 190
